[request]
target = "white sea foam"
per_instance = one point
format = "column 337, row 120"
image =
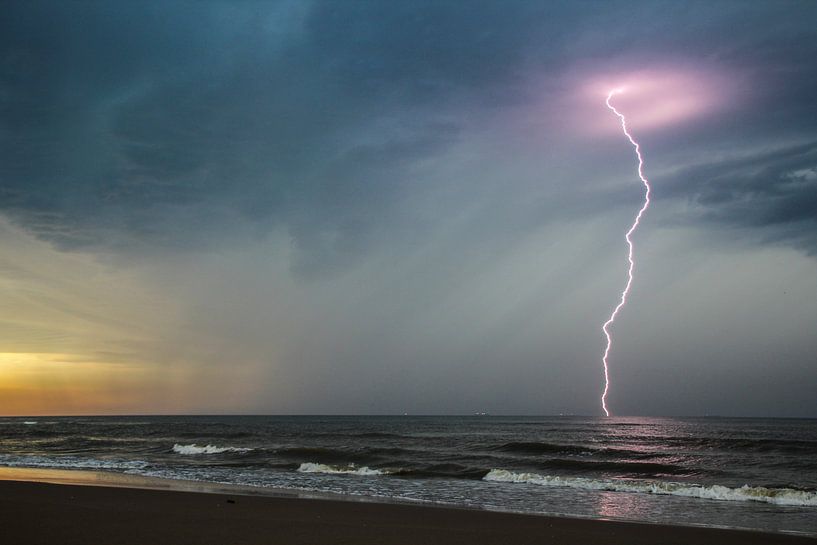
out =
column 311, row 467
column 69, row 462
column 30, row 422
column 194, row 449
column 778, row 496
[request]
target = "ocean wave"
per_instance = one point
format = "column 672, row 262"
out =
column 621, row 467
column 78, row 444
column 543, row 448
column 376, row 435
column 790, row 446
column 70, row 462
column 444, row 470
column 323, row 453
column 777, row 496
column 193, row 449
column 539, row 447
column 359, row 456
column 351, row 469
column 794, row 446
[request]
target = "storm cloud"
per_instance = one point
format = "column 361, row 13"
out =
column 400, row 189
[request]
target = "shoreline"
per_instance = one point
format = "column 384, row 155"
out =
column 38, row 494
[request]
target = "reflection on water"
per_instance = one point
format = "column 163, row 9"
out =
column 579, row 466
column 618, row 505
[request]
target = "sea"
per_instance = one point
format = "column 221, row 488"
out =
column 751, row 473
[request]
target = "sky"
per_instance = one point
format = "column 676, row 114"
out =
column 395, row 207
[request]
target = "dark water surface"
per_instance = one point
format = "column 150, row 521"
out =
column 745, row 473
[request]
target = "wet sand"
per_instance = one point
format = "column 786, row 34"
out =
column 45, row 513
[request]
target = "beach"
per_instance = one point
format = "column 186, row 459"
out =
column 746, row 474
column 45, row 513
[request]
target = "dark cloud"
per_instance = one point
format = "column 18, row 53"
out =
column 774, row 194
column 161, row 124
column 394, row 213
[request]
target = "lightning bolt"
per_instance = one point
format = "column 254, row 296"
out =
column 627, row 236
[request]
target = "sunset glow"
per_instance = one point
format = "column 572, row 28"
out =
column 45, row 383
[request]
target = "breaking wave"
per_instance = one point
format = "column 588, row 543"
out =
column 778, row 496
column 194, row 449
column 351, row 469
column 70, row 462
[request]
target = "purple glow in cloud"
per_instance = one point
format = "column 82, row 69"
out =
column 654, row 98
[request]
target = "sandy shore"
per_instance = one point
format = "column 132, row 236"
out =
column 45, row 513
